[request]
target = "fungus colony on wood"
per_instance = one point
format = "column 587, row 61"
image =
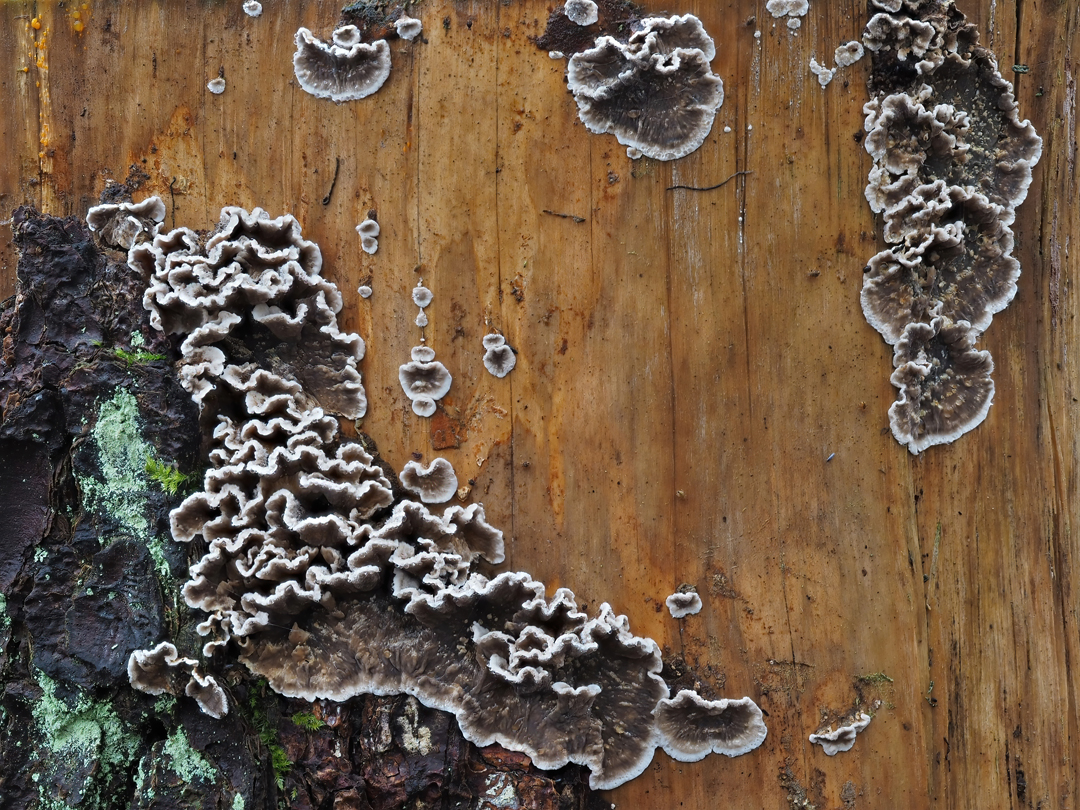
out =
column 683, row 603
column 655, row 91
column 843, row 738
column 499, row 357
column 163, row 670
column 952, row 161
column 121, row 225
column 344, row 70
column 369, row 235
column 329, row 585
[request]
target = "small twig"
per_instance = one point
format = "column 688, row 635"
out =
column 565, row 216
column 337, row 167
column 172, row 202
column 709, row 188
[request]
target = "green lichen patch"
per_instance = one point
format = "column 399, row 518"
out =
column 121, row 490
column 185, row 761
column 85, row 749
column 5, row 620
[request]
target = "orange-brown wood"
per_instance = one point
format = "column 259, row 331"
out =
column 697, row 398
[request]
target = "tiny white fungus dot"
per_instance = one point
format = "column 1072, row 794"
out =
column 216, row 86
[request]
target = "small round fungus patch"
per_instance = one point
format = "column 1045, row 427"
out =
column 216, row 86
column 253, row 8
column 408, row 27
column 581, row 12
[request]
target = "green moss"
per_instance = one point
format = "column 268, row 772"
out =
column 185, row 760
column 268, row 735
column 136, row 358
column 308, row 722
column 121, row 491
column 87, row 740
column 166, row 476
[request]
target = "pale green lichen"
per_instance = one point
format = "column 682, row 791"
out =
column 137, row 339
column 86, row 740
column 5, row 620
column 121, row 492
column 238, row 802
column 185, row 760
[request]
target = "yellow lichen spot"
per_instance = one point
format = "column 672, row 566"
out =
column 76, row 15
column 84, row 6
column 78, row 27
column 41, row 155
column 36, row 23
column 24, row 70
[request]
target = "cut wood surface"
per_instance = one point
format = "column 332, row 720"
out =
column 697, row 398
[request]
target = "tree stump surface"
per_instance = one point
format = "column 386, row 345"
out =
column 697, row 397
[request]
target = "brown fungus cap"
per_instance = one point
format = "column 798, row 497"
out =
column 655, row 93
column 435, row 483
column 692, row 727
column 944, row 382
column 344, row 70
column 842, row 738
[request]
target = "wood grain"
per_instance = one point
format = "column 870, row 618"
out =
column 697, row 397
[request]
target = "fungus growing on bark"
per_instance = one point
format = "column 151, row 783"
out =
column 121, row 225
column 329, row 586
column 582, row 12
column 253, row 8
column 843, row 738
column 499, row 357
column 216, row 86
column 945, row 385
column 424, row 379
column 656, row 92
column 952, row 160
column 345, row 70
column 408, row 27
column 691, row 727
column 683, row 603
column 435, row 483
column 364, row 290
column 369, row 235
column 163, row 670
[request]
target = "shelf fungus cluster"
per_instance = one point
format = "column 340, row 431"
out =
column 499, row 357
column 163, row 670
column 344, row 69
column 655, row 91
column 121, row 225
column 330, row 583
column 952, row 161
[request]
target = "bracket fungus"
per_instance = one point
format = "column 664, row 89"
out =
column 793, row 9
column 408, row 27
column 499, row 357
column 329, row 584
column 435, row 483
column 691, row 727
column 344, row 70
column 582, row 12
column 655, row 92
column 163, row 670
column 369, row 235
column 683, row 603
column 121, row 225
column 843, row 738
column 424, row 379
column 952, row 161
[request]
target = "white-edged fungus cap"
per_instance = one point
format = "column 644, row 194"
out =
column 581, row 12
column 346, row 70
column 656, row 93
column 691, row 727
column 781, row 8
column 253, row 8
column 843, row 738
column 422, row 296
column 499, row 357
column 408, row 27
column 435, row 483
column 216, row 86
column 683, row 603
column 123, row 224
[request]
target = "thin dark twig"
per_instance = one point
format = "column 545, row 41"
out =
column 565, row 216
column 709, row 188
column 337, row 167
